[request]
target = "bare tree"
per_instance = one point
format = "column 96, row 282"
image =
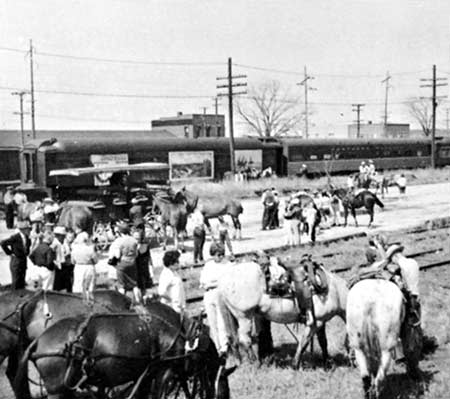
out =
column 421, row 110
column 269, row 110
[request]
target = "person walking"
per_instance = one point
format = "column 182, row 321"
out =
column 199, row 234
column 292, row 218
column 401, row 183
column 170, row 285
column 209, row 279
column 8, row 200
column 44, row 257
column 17, row 246
column 143, row 261
column 122, row 255
column 84, row 257
column 268, row 201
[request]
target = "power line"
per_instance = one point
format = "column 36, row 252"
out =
column 71, row 118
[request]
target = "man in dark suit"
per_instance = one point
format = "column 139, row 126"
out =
column 17, row 247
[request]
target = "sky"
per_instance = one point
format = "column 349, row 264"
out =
column 118, row 64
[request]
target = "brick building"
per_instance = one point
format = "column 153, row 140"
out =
column 192, row 125
column 379, row 130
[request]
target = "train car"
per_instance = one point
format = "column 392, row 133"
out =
column 345, row 155
column 205, row 158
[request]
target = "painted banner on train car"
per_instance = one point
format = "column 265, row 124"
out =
column 186, row 165
column 248, row 159
column 103, row 179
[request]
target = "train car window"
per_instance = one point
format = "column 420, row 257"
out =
column 313, row 157
column 444, row 152
column 419, row 153
column 327, row 156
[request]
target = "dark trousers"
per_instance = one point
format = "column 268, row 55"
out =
column 9, row 215
column 18, row 268
column 269, row 216
column 199, row 241
column 64, row 278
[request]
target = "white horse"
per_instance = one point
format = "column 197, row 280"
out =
column 375, row 312
column 242, row 297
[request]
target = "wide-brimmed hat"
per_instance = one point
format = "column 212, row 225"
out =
column 119, row 202
column 295, row 201
column 61, row 230
column 23, row 224
column 49, row 200
column 393, row 249
column 10, row 187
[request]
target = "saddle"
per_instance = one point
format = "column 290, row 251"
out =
column 315, row 275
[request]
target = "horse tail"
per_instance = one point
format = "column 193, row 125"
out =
column 377, row 201
column 20, row 383
column 370, row 342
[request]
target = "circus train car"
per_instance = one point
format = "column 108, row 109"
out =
column 205, row 158
column 323, row 156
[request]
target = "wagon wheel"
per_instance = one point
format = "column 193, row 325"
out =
column 170, row 386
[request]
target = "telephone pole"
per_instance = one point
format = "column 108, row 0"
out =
column 434, row 84
column 216, row 112
column 358, row 118
column 385, row 118
column 230, row 95
column 21, row 113
column 304, row 83
column 33, row 126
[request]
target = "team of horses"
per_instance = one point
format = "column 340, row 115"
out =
column 107, row 348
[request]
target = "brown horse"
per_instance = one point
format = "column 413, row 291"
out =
column 76, row 217
column 174, row 213
column 24, row 315
column 352, row 201
column 215, row 207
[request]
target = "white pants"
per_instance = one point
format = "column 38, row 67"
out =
column 292, row 231
column 45, row 278
column 215, row 320
column 410, row 273
column 83, row 278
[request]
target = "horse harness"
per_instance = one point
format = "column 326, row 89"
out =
column 75, row 350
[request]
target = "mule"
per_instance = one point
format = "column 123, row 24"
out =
column 242, row 297
column 215, row 207
column 152, row 353
column 352, row 201
column 26, row 314
column 375, row 313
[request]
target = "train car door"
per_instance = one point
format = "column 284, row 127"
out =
column 29, row 174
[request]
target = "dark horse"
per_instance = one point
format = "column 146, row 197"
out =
column 215, row 207
column 352, row 201
column 174, row 211
column 153, row 352
column 76, row 217
column 26, row 314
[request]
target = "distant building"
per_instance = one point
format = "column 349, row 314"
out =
column 379, row 130
column 192, row 125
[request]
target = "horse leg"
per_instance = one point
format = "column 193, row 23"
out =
column 382, row 369
column 237, row 227
column 370, row 212
column 354, row 215
column 361, row 361
column 345, row 215
column 322, row 337
column 245, row 338
column 303, row 344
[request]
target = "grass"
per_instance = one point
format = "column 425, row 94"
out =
column 279, row 380
column 253, row 188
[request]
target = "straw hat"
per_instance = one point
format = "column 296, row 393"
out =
column 61, row 230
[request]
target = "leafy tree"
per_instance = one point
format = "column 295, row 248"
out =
column 270, row 111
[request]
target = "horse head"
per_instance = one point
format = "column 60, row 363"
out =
column 190, row 198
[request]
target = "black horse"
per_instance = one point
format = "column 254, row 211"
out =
column 352, row 201
column 154, row 353
column 24, row 315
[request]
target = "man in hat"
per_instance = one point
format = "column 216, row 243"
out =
column 8, row 200
column 136, row 212
column 17, row 246
column 64, row 266
column 292, row 216
column 44, row 257
column 122, row 255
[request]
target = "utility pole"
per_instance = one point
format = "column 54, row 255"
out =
column 358, row 118
column 385, row 118
column 21, row 113
column 216, row 112
column 230, row 95
column 434, row 104
column 304, row 83
column 33, row 126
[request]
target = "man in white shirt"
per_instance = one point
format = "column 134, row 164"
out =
column 209, row 279
column 170, row 285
